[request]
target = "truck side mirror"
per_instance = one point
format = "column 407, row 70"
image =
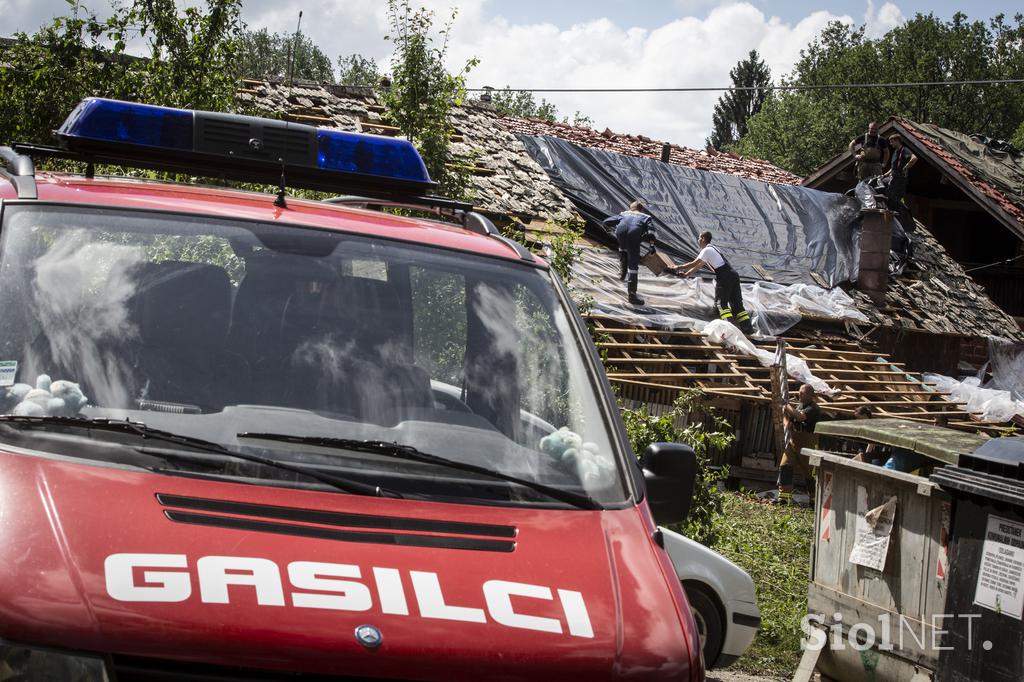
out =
column 670, row 471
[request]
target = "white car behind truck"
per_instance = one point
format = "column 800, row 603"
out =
column 721, row 595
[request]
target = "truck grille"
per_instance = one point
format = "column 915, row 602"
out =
column 324, row 525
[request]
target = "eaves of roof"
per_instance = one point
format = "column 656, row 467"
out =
column 1002, row 207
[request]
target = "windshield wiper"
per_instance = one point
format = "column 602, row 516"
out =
column 145, row 432
column 408, row 452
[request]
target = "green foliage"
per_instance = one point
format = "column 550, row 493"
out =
column 522, row 104
column 579, row 120
column 422, row 92
column 773, row 544
column 356, row 69
column 191, row 53
column 801, row 130
column 439, row 319
column 735, row 107
column 1018, row 137
column 269, row 55
column 562, row 249
column 705, row 432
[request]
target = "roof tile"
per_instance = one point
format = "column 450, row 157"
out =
column 639, row 145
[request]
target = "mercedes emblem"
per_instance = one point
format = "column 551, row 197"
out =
column 369, row 636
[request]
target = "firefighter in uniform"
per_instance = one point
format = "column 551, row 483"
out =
column 632, row 227
column 902, row 161
column 728, row 296
column 870, row 153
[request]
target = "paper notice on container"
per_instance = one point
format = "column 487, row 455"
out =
column 874, row 528
column 1000, row 584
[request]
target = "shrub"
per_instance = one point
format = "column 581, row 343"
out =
column 705, row 432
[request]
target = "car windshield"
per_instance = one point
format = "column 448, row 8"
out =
column 213, row 328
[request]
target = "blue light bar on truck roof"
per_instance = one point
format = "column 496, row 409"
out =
column 241, row 148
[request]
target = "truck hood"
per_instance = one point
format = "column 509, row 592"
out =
column 130, row 563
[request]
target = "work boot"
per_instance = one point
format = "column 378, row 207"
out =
column 623, row 260
column 744, row 323
column 631, row 283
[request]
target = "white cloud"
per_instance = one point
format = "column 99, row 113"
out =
column 597, row 53
column 878, row 23
column 686, row 52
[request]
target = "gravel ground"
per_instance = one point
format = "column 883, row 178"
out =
column 728, row 676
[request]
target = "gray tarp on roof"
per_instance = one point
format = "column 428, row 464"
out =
column 789, row 231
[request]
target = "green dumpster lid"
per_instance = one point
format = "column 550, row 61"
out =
column 938, row 442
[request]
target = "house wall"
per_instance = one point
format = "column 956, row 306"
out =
column 973, row 238
column 921, row 351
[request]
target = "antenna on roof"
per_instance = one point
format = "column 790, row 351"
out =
column 280, row 200
column 294, row 49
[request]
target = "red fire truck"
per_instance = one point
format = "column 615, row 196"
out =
column 250, row 436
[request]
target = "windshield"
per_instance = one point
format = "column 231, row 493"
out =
column 212, row 328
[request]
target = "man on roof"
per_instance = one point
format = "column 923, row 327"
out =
column 870, row 152
column 728, row 295
column 632, row 227
column 902, row 161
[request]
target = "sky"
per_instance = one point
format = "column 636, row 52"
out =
column 579, row 44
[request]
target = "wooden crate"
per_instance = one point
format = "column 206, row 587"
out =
column 657, row 262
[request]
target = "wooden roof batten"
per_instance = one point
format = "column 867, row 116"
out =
column 654, row 366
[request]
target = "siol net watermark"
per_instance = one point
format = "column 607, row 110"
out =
column 886, row 633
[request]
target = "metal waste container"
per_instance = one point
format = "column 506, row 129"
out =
column 984, row 638
column 878, row 583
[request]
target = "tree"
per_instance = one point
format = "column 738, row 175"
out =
column 579, row 120
column 801, row 130
column 1018, row 138
column 422, row 92
column 190, row 58
column 270, row 55
column 522, row 104
column 735, row 107
column 356, row 69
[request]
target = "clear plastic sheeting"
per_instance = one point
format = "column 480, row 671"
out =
column 726, row 334
column 988, row 403
column 1006, row 362
column 688, row 303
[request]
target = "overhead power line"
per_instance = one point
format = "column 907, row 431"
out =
column 833, row 86
column 991, row 265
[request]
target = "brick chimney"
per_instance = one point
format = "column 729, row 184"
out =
column 875, row 239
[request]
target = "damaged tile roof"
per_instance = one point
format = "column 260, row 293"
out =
column 638, row 145
column 505, row 180
column 993, row 178
column 999, row 176
column 940, row 297
column 937, row 296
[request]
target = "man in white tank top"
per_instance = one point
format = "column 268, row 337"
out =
column 728, row 296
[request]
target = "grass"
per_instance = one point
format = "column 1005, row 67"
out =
column 773, row 545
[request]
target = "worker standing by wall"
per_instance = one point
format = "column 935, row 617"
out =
column 632, row 227
column 802, row 420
